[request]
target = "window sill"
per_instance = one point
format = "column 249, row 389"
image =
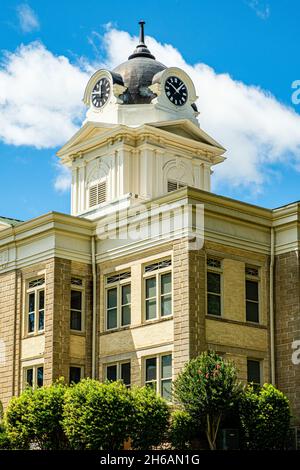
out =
column 33, row 335
column 133, row 327
column 77, row 332
column 236, row 322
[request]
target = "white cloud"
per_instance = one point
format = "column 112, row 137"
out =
column 40, row 97
column 255, row 128
column 63, row 178
column 28, row 19
column 261, row 8
column 40, row 105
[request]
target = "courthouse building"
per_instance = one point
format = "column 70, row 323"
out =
column 80, row 299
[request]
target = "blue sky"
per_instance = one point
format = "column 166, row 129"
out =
column 243, row 44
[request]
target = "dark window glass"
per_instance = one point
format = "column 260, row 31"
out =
column 166, row 376
column 30, row 322
column 41, row 310
column 29, row 377
column 41, row 300
column 76, row 300
column 112, row 297
column 31, row 310
column 31, row 300
column 213, row 304
column 111, row 373
column 125, row 373
column 41, row 320
column 75, row 375
column 253, row 371
column 40, row 376
column 150, row 369
column 75, row 320
column 252, row 301
column 214, row 283
column 252, row 312
column 126, row 310
column 252, row 290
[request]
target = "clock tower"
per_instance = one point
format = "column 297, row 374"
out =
column 141, row 137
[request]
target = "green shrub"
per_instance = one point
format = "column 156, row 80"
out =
column 35, row 418
column 151, row 419
column 98, row 415
column 207, row 388
column 182, row 430
column 265, row 418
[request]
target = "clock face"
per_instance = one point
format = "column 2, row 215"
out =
column 176, row 91
column 101, row 92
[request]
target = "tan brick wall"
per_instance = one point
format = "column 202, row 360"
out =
column 287, row 320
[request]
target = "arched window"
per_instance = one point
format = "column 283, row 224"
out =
column 177, row 174
column 97, row 193
column 97, row 184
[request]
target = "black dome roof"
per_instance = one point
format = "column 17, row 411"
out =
column 137, row 73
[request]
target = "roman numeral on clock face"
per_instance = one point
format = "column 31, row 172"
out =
column 176, row 91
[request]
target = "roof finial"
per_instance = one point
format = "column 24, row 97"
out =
column 141, row 49
column 142, row 33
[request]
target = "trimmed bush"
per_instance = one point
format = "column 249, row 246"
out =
column 34, row 418
column 98, row 415
column 182, row 430
column 151, row 419
column 265, row 418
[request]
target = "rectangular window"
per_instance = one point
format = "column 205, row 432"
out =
column 75, row 373
column 252, row 294
column 119, row 371
column 158, row 374
column 97, row 194
column 158, row 290
column 118, row 302
column 214, row 289
column 35, row 306
column 254, row 372
column 33, row 376
column 76, row 310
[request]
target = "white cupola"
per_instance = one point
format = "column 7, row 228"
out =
column 141, row 137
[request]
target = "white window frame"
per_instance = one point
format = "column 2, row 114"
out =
column 257, row 279
column 34, row 368
column 118, row 365
column 260, row 362
column 36, row 290
column 159, row 380
column 79, row 367
column 119, row 284
column 158, row 273
column 216, row 270
column 82, row 290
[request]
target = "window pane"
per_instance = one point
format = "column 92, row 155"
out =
column 111, row 373
column 166, row 366
column 166, row 389
column 252, row 312
column 75, row 375
column 75, row 323
column 126, row 295
column 41, row 300
column 112, row 318
column 151, row 385
column 31, row 302
column 29, row 377
column 41, row 320
column 125, row 373
column 30, row 322
column 252, row 290
column 76, row 299
column 213, row 304
column 166, row 283
column 214, row 283
column 112, row 297
column 151, row 369
column 253, row 371
column 150, row 309
column 151, row 287
column 40, row 376
column 126, row 315
column 166, row 305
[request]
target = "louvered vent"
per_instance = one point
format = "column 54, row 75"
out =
column 174, row 185
column 97, row 194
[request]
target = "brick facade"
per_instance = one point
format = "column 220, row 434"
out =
column 287, row 314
